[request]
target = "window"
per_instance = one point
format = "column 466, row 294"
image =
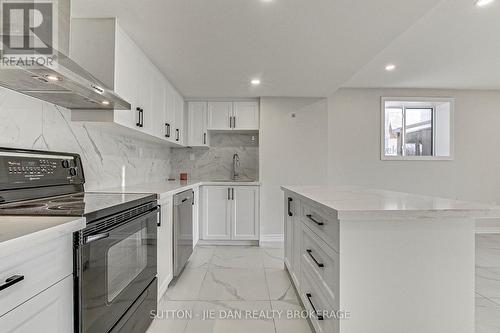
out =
column 417, row 128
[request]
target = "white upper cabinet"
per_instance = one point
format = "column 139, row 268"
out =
column 197, row 124
column 219, row 115
column 246, row 115
column 104, row 49
column 236, row 115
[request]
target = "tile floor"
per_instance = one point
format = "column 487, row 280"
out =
column 239, row 279
column 252, row 278
column 488, row 283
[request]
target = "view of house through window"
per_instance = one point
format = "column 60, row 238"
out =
column 417, row 128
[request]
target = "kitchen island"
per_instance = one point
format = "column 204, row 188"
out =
column 382, row 261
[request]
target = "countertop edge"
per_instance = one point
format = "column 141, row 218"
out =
column 40, row 236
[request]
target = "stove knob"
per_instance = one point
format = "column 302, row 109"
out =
column 72, row 172
column 65, row 164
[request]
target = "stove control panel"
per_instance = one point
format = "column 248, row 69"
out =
column 24, row 168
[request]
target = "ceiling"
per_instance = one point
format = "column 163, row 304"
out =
column 213, row 48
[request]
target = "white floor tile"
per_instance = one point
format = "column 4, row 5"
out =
column 273, row 258
column 171, row 317
column 234, row 284
column 187, row 286
column 279, row 285
column 222, row 310
column 237, row 257
column 487, row 316
column 201, row 258
column 288, row 323
column 488, row 281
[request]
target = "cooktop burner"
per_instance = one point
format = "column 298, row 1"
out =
column 88, row 204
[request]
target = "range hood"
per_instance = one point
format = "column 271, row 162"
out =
column 67, row 85
column 64, row 82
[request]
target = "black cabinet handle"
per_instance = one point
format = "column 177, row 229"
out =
column 290, row 206
column 11, row 281
column 167, row 130
column 142, row 117
column 314, row 259
column 234, row 122
column 228, row 193
column 309, row 296
column 312, row 219
column 138, row 124
column 230, row 122
column 204, row 138
column 232, row 193
column 177, row 134
column 159, row 216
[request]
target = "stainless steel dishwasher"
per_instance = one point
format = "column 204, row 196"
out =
column 183, row 229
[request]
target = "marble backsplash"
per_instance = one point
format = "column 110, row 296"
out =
column 109, row 159
column 215, row 162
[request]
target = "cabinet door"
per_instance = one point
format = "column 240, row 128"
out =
column 216, row 213
column 145, row 95
column 169, row 121
column 158, row 105
column 219, row 115
column 246, row 115
column 126, row 78
column 245, row 213
column 179, row 118
column 50, row 311
column 165, row 253
column 197, row 123
column 289, row 204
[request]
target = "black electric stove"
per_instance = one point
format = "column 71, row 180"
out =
column 114, row 256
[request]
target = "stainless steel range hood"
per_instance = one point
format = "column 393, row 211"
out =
column 67, row 85
column 64, row 82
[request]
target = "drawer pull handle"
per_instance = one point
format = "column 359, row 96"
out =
column 309, row 296
column 315, row 261
column 12, row 281
column 289, row 207
column 93, row 238
column 309, row 216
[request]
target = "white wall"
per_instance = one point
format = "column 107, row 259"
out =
column 354, row 146
column 109, row 159
column 292, row 151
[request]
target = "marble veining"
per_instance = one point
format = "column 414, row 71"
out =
column 215, row 162
column 109, row 158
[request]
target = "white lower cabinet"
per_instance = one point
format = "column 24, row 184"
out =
column 230, row 212
column 50, row 311
column 165, row 245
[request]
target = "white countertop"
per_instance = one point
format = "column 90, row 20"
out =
column 166, row 188
column 352, row 202
column 17, row 231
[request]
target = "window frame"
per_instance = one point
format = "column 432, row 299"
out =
column 431, row 105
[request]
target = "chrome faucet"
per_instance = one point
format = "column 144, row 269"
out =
column 236, row 163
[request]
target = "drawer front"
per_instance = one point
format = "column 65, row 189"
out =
column 41, row 266
column 314, row 299
column 50, row 311
column 321, row 261
column 322, row 222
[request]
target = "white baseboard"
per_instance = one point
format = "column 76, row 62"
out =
column 272, row 238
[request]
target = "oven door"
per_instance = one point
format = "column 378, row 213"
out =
column 116, row 266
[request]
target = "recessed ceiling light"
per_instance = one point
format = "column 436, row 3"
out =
column 390, row 67
column 105, row 102
column 52, row 78
column 255, row 82
column 483, row 3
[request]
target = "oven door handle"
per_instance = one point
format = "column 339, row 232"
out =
column 93, row 238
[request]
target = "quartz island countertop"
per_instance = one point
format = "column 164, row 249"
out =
column 355, row 202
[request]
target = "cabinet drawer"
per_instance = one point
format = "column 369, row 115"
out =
column 50, row 311
column 321, row 261
column 42, row 265
column 315, row 299
column 322, row 222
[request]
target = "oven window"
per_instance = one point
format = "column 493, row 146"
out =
column 126, row 260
